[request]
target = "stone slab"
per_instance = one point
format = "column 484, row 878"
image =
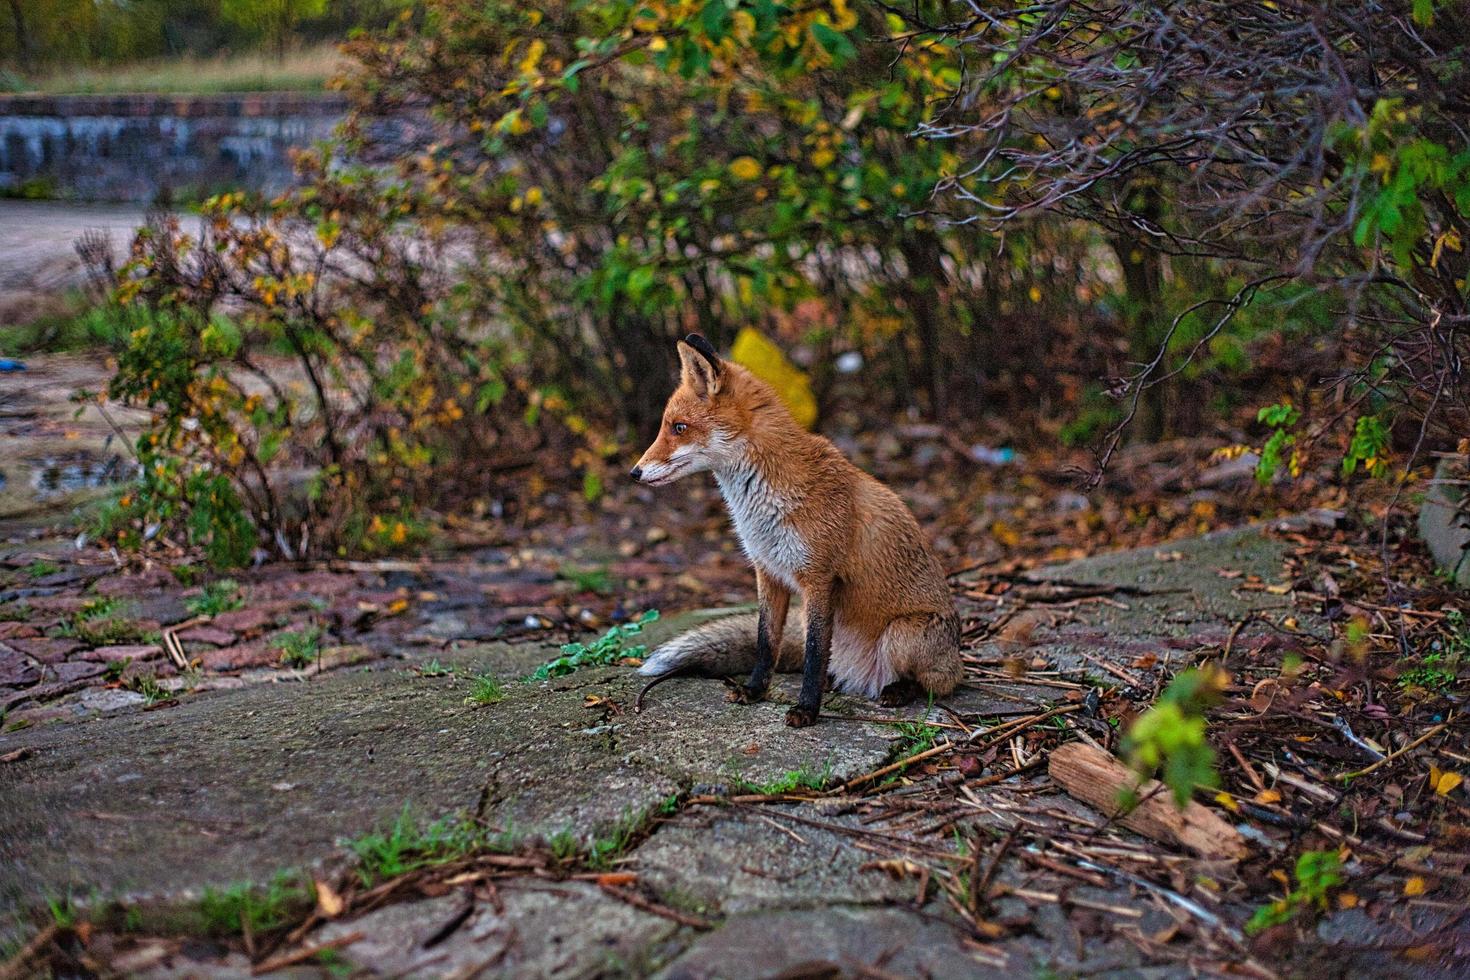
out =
column 237, row 784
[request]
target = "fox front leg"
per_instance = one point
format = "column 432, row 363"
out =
column 818, row 652
column 775, row 599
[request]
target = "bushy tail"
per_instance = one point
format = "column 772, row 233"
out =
column 721, row 647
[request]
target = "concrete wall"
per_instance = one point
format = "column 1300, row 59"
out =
column 136, row 147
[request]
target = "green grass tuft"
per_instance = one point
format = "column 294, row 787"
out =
column 408, row 845
column 485, row 690
column 789, row 782
column 299, row 648
column 263, row 907
column 219, row 596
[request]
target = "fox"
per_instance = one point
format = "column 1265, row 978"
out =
column 877, row 616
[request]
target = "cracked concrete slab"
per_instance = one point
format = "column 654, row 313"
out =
column 237, row 784
column 550, row 929
column 717, row 864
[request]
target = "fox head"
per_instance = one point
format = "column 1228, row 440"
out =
column 703, row 419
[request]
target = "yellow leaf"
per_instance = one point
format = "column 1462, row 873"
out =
column 1414, row 886
column 1227, row 801
column 1347, row 900
column 745, row 168
column 1005, row 534
column 765, row 360
column 1268, row 796
column 328, row 902
column 1444, row 783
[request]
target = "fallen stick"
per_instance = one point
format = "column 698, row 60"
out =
column 654, row 908
column 1344, row 777
column 303, row 954
column 17, row 966
column 1098, row 779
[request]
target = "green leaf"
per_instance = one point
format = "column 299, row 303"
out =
column 835, row 43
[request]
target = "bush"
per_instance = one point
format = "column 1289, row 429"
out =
column 601, row 178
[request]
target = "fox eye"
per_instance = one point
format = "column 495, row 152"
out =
column 679, row 428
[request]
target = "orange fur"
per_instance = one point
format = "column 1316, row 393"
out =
column 814, row 524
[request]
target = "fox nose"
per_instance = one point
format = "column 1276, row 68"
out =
column 636, row 473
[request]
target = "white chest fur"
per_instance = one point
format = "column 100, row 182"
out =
column 762, row 519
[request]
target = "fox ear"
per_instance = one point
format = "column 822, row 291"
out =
column 700, row 366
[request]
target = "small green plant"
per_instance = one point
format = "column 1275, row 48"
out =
column 408, row 845
column 100, row 608
column 597, row 580
column 434, row 669
column 1438, row 669
column 113, row 672
column 1370, row 448
column 63, row 912
column 334, row 963
column 227, row 911
column 1278, row 451
column 99, row 623
column 1169, row 738
column 1317, row 873
column 148, row 686
column 484, row 690
column 1433, row 672
column 564, row 844
column 606, row 649
column 41, row 568
column 16, row 612
column 221, row 595
column 916, row 736
column 299, row 648
column 605, row 850
column 789, row 782
column 185, row 575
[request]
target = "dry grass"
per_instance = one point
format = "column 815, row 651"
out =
column 306, row 70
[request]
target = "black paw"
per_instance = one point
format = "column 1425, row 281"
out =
column 903, row 691
column 801, row 716
column 744, row 694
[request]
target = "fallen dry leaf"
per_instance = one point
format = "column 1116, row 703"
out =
column 1414, row 886
column 1444, row 783
column 328, row 903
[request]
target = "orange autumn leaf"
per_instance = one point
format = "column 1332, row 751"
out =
column 1414, row 886
column 615, row 878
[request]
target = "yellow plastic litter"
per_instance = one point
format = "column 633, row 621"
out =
column 765, row 360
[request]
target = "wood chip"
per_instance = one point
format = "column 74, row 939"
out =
column 1099, row 779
